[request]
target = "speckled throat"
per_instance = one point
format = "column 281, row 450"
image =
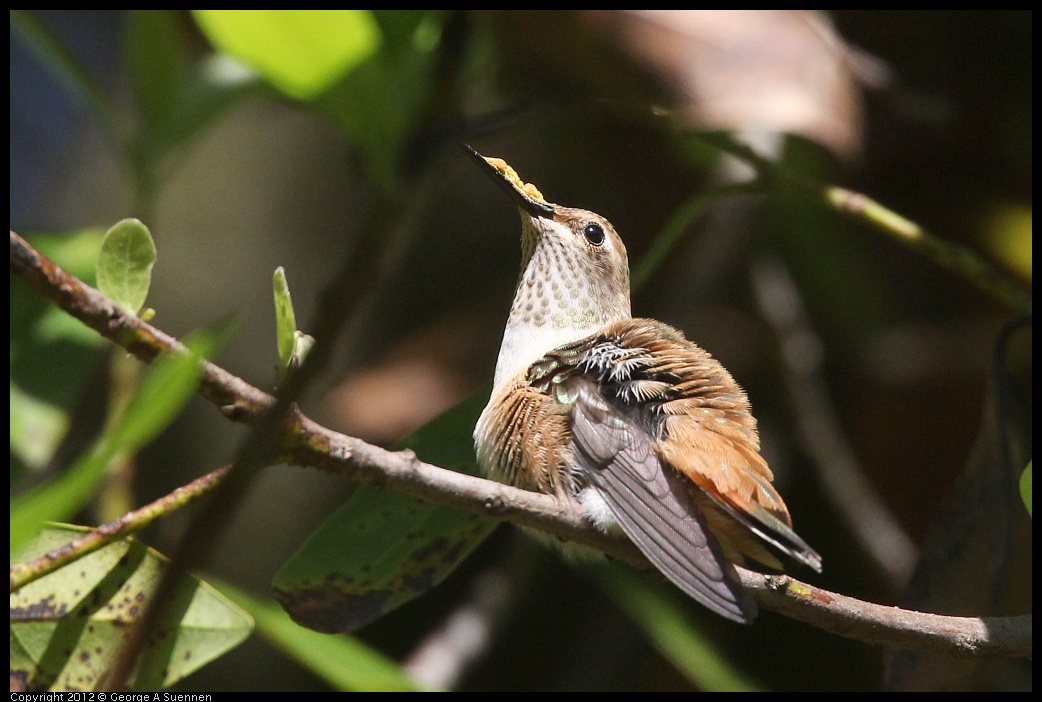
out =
column 568, row 287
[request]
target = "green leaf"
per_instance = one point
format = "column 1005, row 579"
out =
column 382, row 549
column 125, row 264
column 68, row 627
column 285, row 320
column 300, row 52
column 293, row 344
column 158, row 399
column 669, row 626
column 342, row 661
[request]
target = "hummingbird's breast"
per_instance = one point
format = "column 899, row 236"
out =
column 523, row 439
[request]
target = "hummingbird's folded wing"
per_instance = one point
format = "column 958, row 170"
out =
column 652, row 505
column 701, row 429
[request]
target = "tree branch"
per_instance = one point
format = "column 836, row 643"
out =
column 96, row 539
column 304, row 442
column 953, row 257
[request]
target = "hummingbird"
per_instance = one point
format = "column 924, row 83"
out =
column 644, row 429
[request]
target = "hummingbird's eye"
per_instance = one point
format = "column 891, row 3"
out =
column 594, row 233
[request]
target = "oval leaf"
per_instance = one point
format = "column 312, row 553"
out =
column 125, row 264
column 68, row 627
column 300, row 52
column 382, row 549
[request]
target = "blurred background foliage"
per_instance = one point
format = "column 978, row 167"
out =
column 248, row 141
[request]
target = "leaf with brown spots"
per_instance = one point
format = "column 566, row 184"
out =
column 67, row 628
column 382, row 549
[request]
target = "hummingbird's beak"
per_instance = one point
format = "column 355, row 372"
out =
column 527, row 197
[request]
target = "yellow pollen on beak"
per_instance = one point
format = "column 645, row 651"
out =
column 511, row 175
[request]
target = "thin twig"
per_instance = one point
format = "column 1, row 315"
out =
column 951, row 256
column 25, row 573
column 302, row 441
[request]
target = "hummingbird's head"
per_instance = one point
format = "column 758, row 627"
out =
column 575, row 275
column 579, row 247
